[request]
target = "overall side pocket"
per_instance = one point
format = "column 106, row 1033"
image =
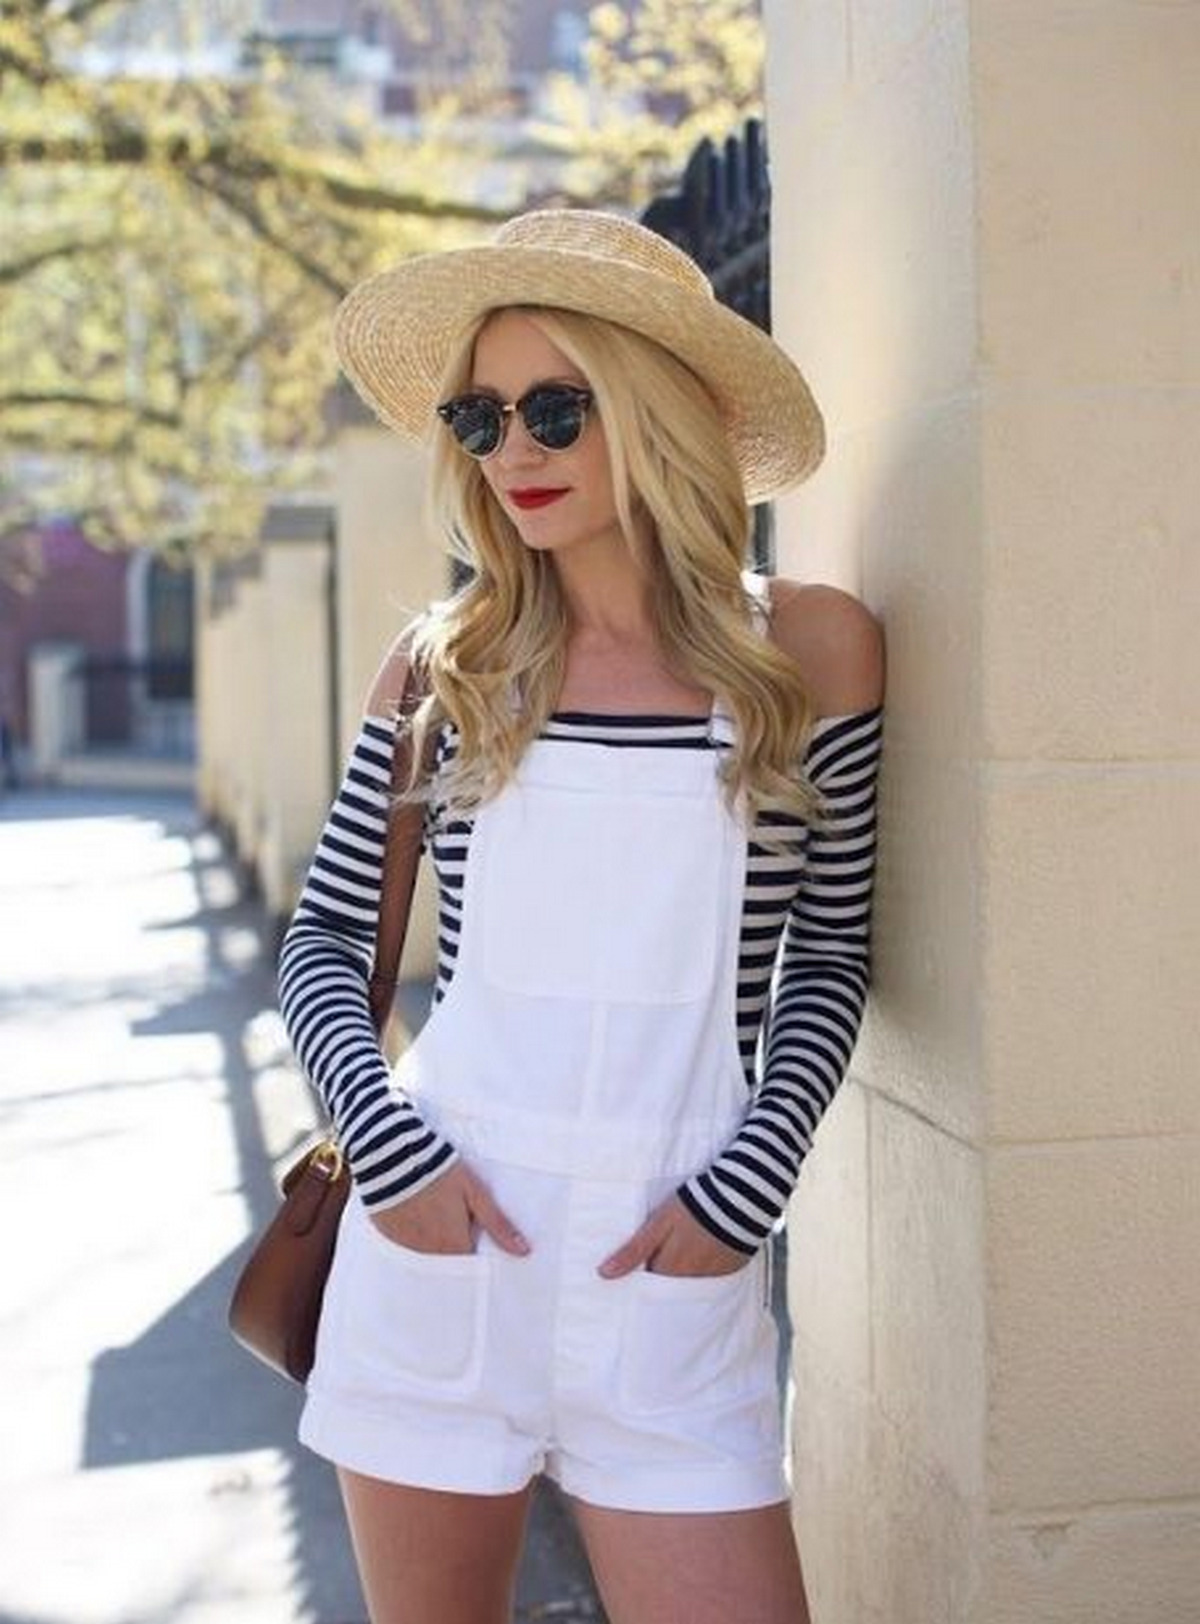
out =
column 691, row 1340
column 411, row 1321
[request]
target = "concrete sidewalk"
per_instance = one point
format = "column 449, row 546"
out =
column 148, row 1468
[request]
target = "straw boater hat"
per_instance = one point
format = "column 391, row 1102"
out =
column 397, row 331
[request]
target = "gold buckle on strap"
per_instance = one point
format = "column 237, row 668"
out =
column 326, row 1159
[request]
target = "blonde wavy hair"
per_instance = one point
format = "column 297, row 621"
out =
column 503, row 635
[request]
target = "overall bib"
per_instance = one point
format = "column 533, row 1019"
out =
column 584, row 1060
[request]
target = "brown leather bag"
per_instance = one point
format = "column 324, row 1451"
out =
column 276, row 1303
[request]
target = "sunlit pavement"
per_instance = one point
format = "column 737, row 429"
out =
column 148, row 1469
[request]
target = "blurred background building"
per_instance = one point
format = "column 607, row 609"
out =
column 101, row 630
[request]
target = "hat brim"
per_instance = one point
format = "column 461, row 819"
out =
column 396, row 331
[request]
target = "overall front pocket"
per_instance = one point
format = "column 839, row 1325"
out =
column 411, row 1320
column 691, row 1339
column 590, row 896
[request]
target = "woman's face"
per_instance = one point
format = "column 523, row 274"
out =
column 556, row 499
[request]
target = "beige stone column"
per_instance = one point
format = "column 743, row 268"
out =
column 986, row 257
column 300, row 762
column 389, row 568
column 56, row 710
column 229, row 712
column 246, row 694
column 208, row 770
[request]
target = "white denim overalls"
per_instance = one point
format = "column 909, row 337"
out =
column 584, row 1061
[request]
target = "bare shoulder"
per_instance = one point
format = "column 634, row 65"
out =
column 835, row 640
column 388, row 685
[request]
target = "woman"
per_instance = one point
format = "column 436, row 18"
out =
column 649, row 768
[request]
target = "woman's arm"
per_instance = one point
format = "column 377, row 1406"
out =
column 325, row 962
column 824, row 966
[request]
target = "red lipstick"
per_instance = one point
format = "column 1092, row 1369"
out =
column 536, row 496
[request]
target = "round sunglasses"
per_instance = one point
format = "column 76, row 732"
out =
column 554, row 415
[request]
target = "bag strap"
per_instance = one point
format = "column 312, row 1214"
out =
column 402, row 854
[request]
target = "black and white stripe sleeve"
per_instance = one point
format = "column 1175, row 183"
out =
column 818, row 998
column 324, row 966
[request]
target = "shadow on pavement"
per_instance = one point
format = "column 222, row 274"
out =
column 184, row 1388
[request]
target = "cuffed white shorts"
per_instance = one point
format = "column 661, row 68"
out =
column 474, row 1373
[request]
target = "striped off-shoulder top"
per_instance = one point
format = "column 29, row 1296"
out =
column 804, row 965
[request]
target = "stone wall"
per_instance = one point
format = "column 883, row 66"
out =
column 986, row 260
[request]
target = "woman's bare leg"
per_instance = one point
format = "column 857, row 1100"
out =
column 426, row 1555
column 706, row 1567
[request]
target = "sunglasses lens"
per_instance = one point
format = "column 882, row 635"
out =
column 476, row 422
column 554, row 417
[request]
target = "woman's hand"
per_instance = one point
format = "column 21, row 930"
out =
column 447, row 1216
column 672, row 1242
